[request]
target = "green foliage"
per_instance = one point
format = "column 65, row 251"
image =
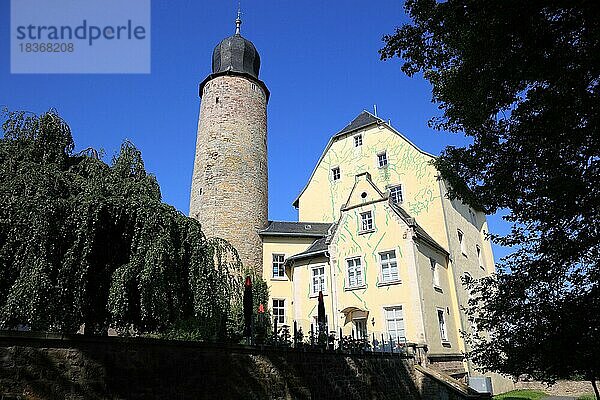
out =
column 586, row 397
column 521, row 395
column 522, row 79
column 86, row 242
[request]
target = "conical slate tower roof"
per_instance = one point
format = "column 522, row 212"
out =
column 236, row 55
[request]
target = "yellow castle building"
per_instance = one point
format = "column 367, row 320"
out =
column 378, row 236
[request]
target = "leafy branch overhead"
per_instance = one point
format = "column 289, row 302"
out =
column 82, row 241
column 522, row 79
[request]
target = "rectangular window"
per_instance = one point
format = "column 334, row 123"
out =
column 382, row 160
column 318, row 280
column 479, row 257
column 279, row 311
column 389, row 266
column 461, row 241
column 357, row 140
column 360, row 328
column 366, row 221
column 442, row 322
column 396, row 194
column 394, row 322
column 355, row 272
column 278, row 267
column 435, row 273
column 335, row 173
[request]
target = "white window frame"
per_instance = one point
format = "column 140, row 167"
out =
column 281, row 307
column 480, row 257
column 397, row 321
column 335, row 171
column 281, row 266
column 357, row 271
column 443, row 325
column 400, row 189
column 314, row 290
column 358, row 140
column 461, row 241
column 388, row 262
column 435, row 273
column 370, row 220
column 382, row 159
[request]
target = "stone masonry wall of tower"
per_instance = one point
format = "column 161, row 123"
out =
column 229, row 183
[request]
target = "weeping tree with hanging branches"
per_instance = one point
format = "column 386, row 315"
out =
column 83, row 242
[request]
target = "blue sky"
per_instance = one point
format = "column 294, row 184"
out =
column 319, row 60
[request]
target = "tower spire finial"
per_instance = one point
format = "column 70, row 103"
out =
column 238, row 20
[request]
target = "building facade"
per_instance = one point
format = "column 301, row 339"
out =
column 376, row 233
column 378, row 236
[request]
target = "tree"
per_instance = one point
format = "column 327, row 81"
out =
column 83, row 242
column 521, row 79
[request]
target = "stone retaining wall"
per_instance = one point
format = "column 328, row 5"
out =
column 560, row 388
column 76, row 367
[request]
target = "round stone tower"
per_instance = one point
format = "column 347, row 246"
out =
column 229, row 184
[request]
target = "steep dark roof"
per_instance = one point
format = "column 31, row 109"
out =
column 317, row 248
column 289, row 228
column 236, row 54
column 363, row 119
column 419, row 231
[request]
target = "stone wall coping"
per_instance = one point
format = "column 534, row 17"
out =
column 442, row 356
column 452, row 384
column 47, row 339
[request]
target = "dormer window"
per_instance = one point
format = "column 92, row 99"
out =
column 358, row 140
column 382, row 160
column 396, row 194
column 335, row 173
